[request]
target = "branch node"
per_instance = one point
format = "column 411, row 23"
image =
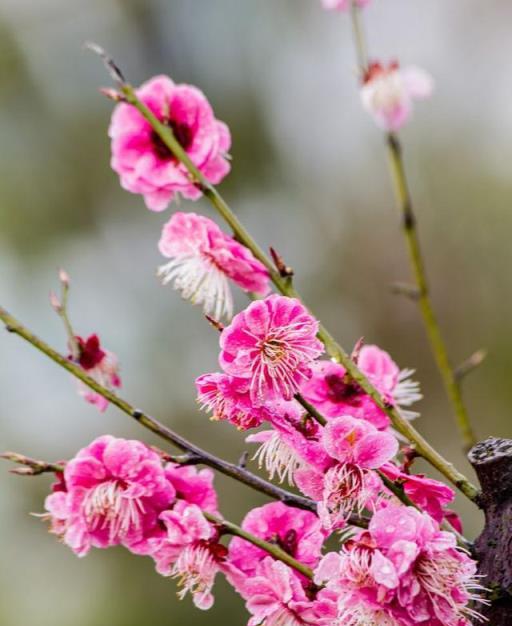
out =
column 404, row 289
column 471, row 363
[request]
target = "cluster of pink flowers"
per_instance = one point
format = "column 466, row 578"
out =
column 323, row 433
column 403, row 570
column 120, row 492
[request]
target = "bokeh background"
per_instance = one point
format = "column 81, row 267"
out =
column 309, row 177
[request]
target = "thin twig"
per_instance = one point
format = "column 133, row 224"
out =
column 31, row 467
column 404, row 202
column 470, row 364
column 315, row 414
column 450, row 380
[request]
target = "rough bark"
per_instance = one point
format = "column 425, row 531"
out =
column 492, row 461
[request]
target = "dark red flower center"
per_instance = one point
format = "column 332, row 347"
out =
column 288, row 543
column 376, row 69
column 91, row 353
column 181, row 132
column 339, row 390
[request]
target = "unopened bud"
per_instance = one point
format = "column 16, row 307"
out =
column 23, row 471
column 64, row 277
column 55, row 302
column 15, row 457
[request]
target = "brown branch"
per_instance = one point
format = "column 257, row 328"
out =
column 206, row 458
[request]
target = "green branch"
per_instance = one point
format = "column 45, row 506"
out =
column 448, row 375
column 274, row 550
column 394, row 150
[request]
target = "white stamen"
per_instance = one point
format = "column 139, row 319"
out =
column 407, row 392
column 282, row 352
column 344, row 491
column 441, row 576
column 279, row 459
column 198, row 279
column 195, row 570
column 361, row 615
column 107, row 506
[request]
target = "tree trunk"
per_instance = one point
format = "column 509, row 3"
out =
column 492, row 461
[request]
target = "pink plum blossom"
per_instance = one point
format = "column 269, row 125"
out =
column 405, row 568
column 334, row 394
column 189, row 551
column 193, row 486
column 342, row 5
column 113, row 492
column 294, row 444
column 228, row 399
column 387, row 93
column 204, row 259
column 299, row 533
column 430, row 495
column 99, row 364
column 142, row 159
column 275, row 596
column 271, row 344
column 355, row 448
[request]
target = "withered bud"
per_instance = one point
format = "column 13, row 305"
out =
column 112, row 94
column 215, row 323
column 356, row 351
column 284, row 270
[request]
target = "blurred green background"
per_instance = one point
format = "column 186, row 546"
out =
column 309, row 177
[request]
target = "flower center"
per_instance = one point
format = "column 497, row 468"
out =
column 288, row 542
column 182, row 134
column 273, row 350
column 108, row 507
column 340, row 391
column 344, row 490
column 91, row 353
